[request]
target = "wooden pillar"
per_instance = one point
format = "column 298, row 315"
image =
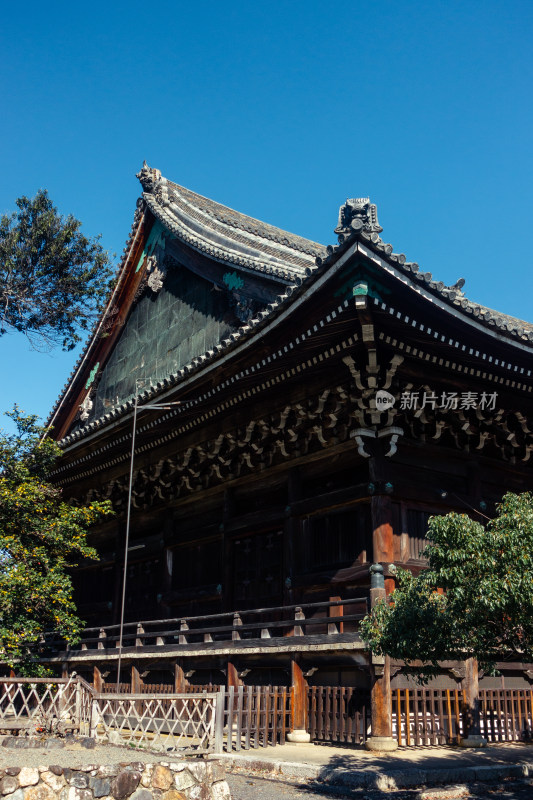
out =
column 136, row 681
column 64, row 671
column 382, row 535
column 180, row 681
column 232, row 676
column 471, row 713
column 98, row 681
column 298, row 733
column 380, row 691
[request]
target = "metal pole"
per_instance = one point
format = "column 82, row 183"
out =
column 127, row 539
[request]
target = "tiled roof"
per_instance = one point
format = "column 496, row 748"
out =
column 515, row 328
column 225, row 234
column 211, row 225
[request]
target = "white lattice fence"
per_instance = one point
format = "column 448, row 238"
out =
column 40, row 703
column 181, row 722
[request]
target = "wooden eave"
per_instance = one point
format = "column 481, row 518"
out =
column 420, row 294
column 245, row 372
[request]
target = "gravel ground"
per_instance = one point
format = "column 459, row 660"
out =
column 73, row 754
column 248, row 788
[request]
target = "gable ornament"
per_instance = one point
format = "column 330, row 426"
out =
column 357, row 214
column 156, row 274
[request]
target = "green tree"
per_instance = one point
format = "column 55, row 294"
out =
column 475, row 599
column 41, row 537
column 53, row 279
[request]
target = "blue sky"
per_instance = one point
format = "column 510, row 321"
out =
column 280, row 110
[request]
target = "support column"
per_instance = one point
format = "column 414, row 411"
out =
column 298, row 734
column 180, row 681
column 98, row 681
column 232, row 676
column 380, row 692
column 471, row 718
column 136, row 681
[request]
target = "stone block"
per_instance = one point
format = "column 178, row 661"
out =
column 54, row 744
column 80, row 780
column 142, row 794
column 146, row 778
column 8, row 785
column 108, row 770
column 124, row 784
column 173, row 794
column 88, row 743
column 100, row 787
column 220, row 791
column 40, row 792
column 183, row 780
column 28, row 776
column 55, row 782
column 199, row 769
column 162, row 778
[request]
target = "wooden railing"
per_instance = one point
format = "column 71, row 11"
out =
column 307, row 619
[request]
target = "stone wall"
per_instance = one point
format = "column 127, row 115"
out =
column 181, row 780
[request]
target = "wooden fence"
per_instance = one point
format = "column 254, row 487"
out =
column 426, row 716
column 256, row 716
column 336, row 714
column 182, row 722
column 435, row 716
column 507, row 715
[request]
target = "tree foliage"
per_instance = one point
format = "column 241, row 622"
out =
column 53, row 279
column 41, row 536
column 475, row 599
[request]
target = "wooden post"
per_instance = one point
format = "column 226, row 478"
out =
column 180, row 681
column 471, row 718
column 380, row 692
column 383, row 535
column 98, row 681
column 298, row 733
column 136, row 681
column 232, row 676
column 335, row 611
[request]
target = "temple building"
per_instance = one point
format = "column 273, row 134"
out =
column 300, row 412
